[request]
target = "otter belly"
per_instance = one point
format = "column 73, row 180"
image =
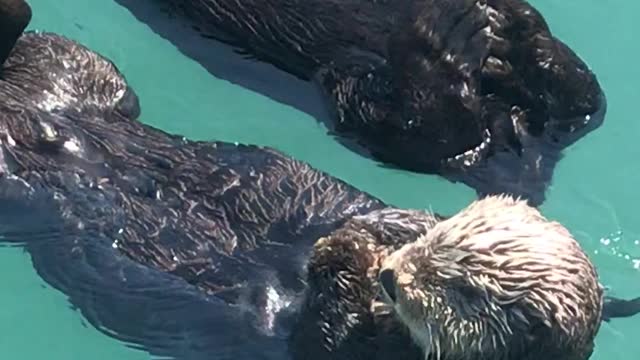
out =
column 142, row 304
column 198, row 257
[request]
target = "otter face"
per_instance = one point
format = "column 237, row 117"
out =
column 417, row 302
column 497, row 280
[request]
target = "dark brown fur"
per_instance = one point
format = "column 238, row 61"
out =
column 496, row 281
column 477, row 91
column 338, row 319
column 191, row 236
column 173, row 245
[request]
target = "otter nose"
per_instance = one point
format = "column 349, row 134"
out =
column 388, row 283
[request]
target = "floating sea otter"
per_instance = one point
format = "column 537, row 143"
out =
column 495, row 281
column 479, row 91
column 196, row 250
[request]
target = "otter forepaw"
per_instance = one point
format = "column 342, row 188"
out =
column 459, row 32
column 549, row 68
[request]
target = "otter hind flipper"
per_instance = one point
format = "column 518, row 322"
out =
column 619, row 308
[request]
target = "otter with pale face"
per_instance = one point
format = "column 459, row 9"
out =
column 496, row 281
column 188, row 249
column 479, row 91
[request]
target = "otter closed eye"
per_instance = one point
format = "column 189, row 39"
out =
column 388, row 283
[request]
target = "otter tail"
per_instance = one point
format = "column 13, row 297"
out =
column 619, row 308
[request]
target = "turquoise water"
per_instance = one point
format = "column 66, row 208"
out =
column 593, row 193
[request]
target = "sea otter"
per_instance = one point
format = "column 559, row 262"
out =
column 194, row 250
column 478, row 91
column 189, row 249
column 495, row 281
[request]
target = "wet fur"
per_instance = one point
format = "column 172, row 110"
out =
column 189, row 235
column 169, row 244
column 344, row 315
column 418, row 83
column 339, row 319
column 497, row 281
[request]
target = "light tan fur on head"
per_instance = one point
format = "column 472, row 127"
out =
column 496, row 281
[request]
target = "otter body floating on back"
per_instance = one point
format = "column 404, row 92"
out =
column 479, row 91
column 497, row 281
column 189, row 249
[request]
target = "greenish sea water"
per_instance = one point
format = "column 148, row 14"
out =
column 593, row 193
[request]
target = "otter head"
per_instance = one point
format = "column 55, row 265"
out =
column 15, row 15
column 495, row 281
column 462, row 80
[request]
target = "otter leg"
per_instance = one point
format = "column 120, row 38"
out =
column 619, row 308
column 556, row 78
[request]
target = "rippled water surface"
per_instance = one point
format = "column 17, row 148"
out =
column 594, row 192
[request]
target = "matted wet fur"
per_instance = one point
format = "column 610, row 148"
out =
column 188, row 249
column 479, row 91
column 496, row 281
column 339, row 319
column 348, row 314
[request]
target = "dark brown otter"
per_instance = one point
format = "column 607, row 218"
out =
column 476, row 90
column 193, row 250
